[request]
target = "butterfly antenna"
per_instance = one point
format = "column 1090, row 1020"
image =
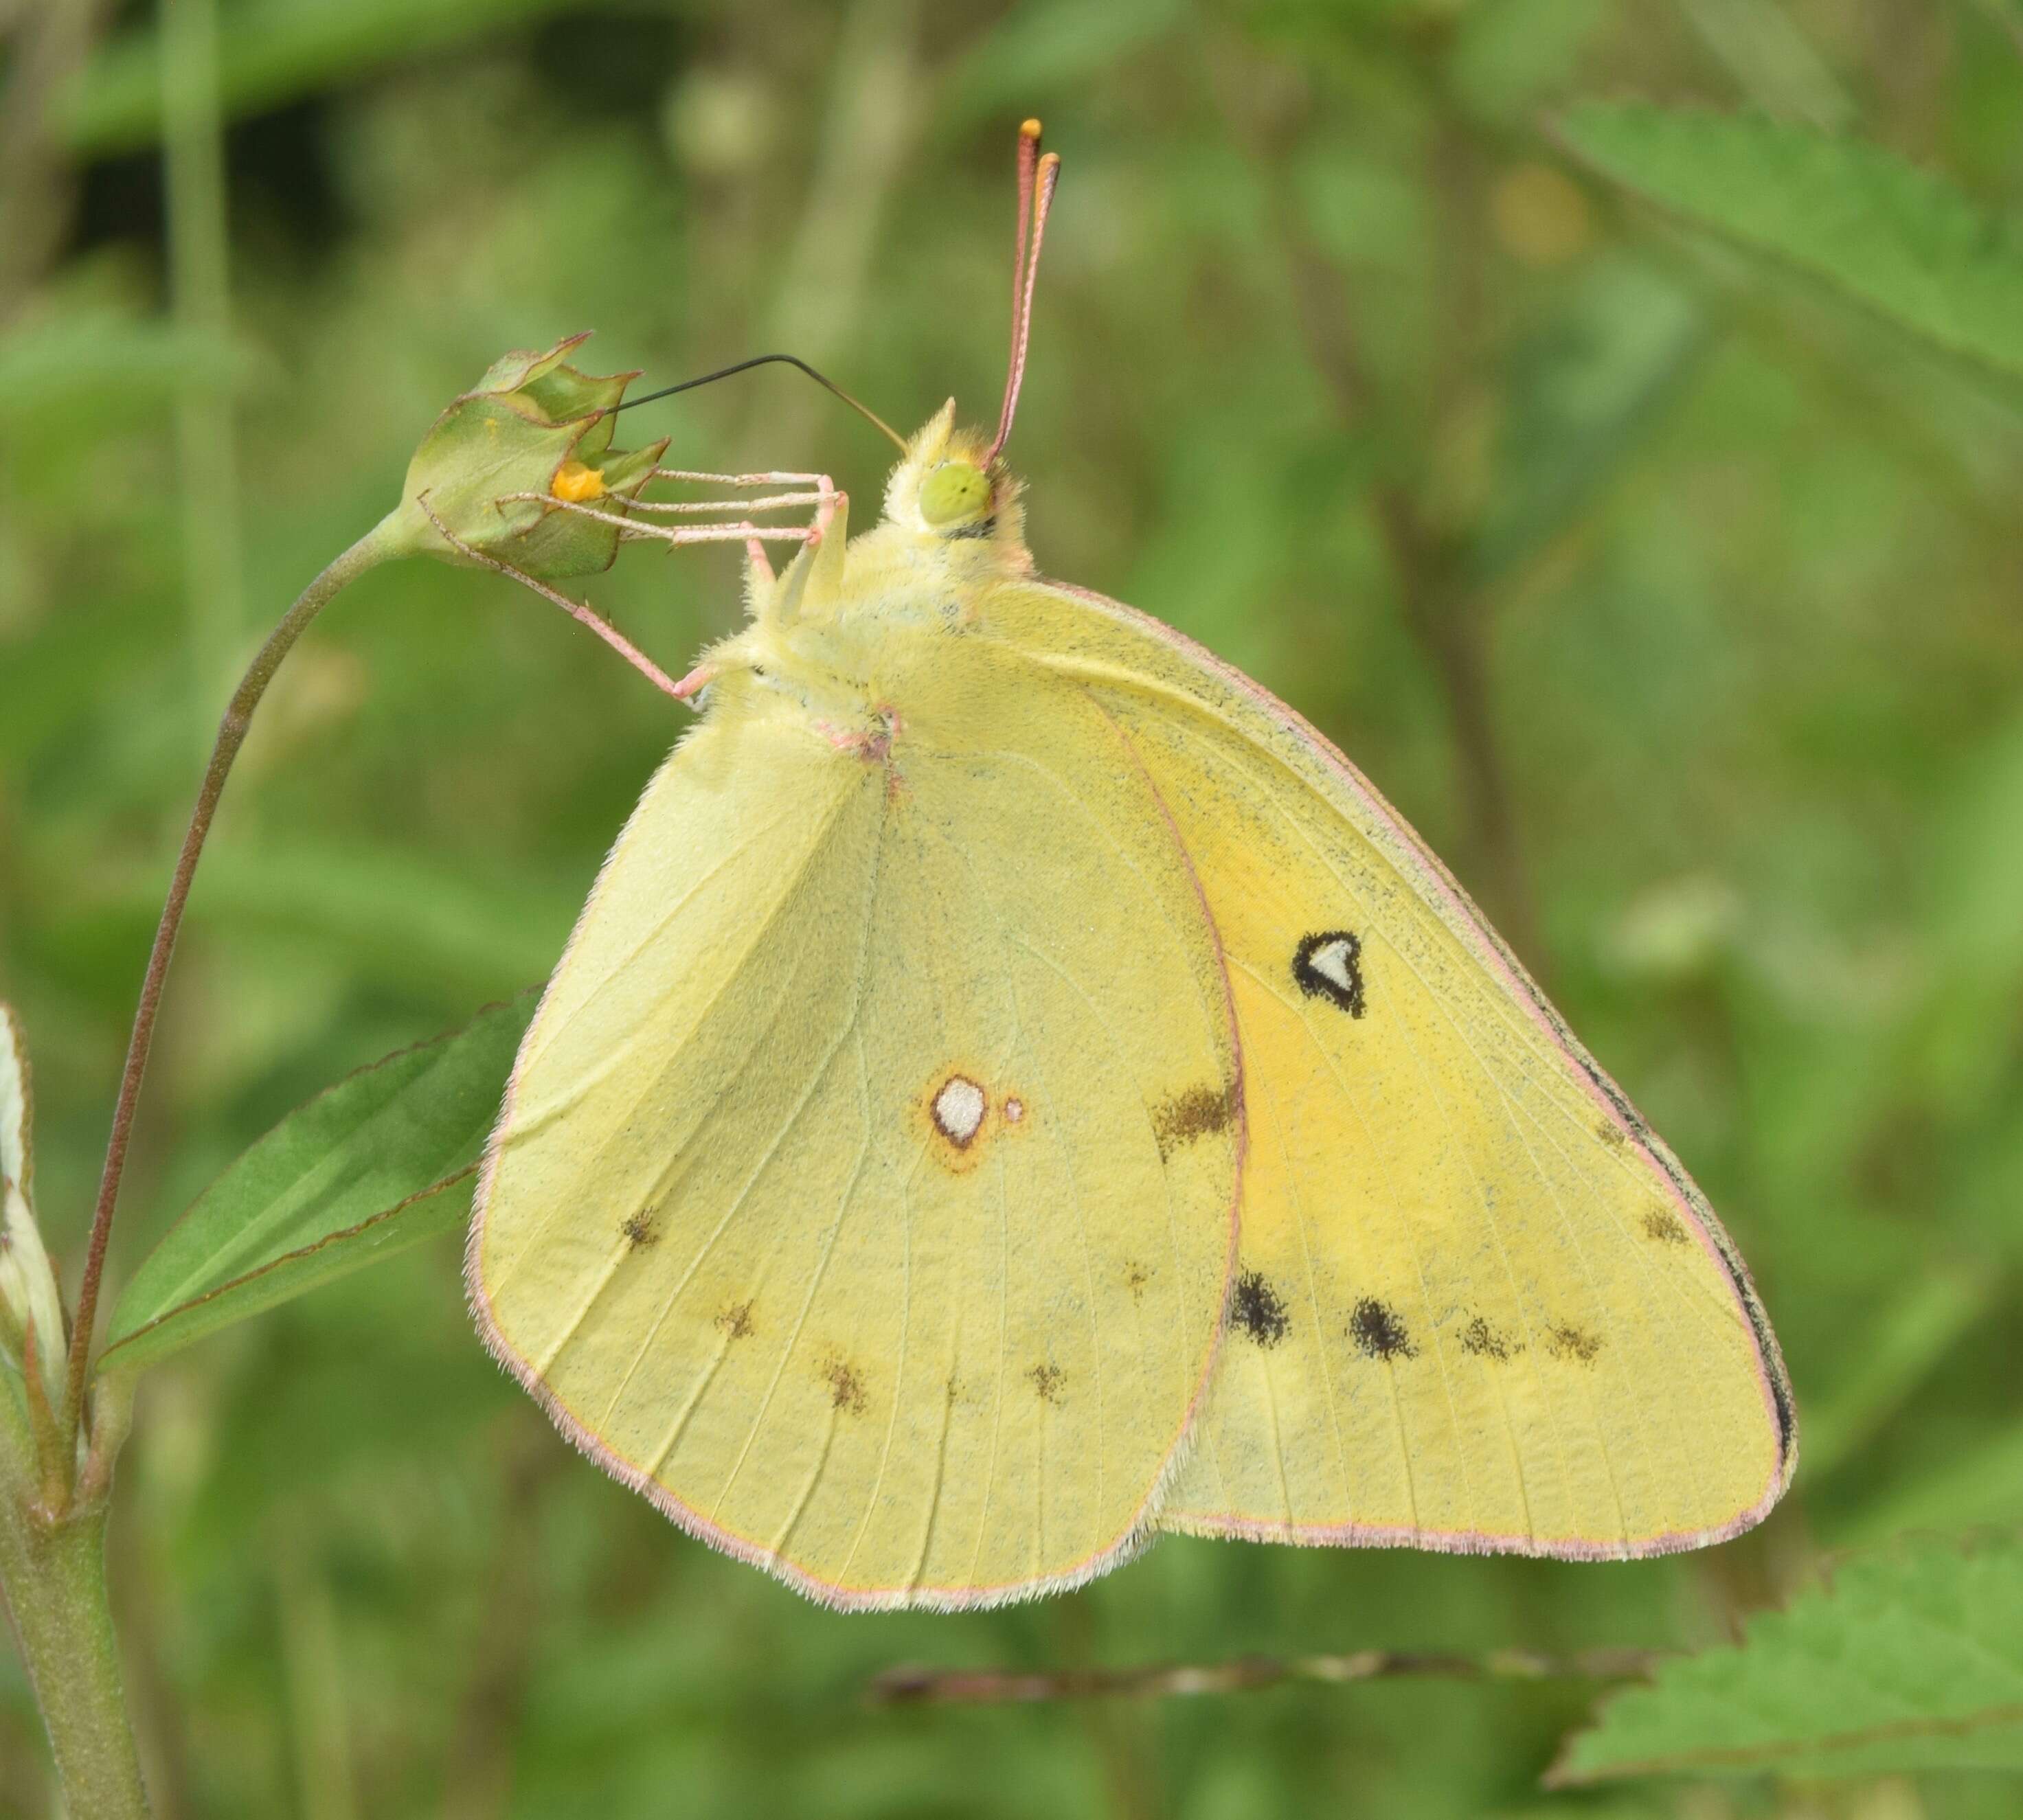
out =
column 1037, row 175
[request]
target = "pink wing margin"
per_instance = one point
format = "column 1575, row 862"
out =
column 1461, row 915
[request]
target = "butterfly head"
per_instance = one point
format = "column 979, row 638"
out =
column 950, row 486
column 951, row 506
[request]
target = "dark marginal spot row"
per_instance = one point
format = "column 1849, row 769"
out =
column 1258, row 1310
column 1047, row 1381
column 1564, row 1340
column 1484, row 1342
column 639, row 1231
column 1731, row 1262
column 846, row 1388
column 735, row 1321
column 1197, row 1112
column 1664, row 1226
column 1607, row 1088
column 1379, row 1331
column 1328, row 964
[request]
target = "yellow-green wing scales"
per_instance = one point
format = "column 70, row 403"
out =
column 865, row 1191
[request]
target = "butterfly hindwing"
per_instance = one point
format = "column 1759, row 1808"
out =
column 865, row 1192
column 1478, row 1305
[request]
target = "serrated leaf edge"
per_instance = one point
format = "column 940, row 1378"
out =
column 1563, row 1772
column 1790, row 266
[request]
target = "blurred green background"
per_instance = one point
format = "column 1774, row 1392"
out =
column 1676, row 604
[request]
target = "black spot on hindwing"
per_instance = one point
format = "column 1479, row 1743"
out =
column 1328, row 964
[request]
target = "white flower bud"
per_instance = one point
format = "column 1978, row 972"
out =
column 28, row 1299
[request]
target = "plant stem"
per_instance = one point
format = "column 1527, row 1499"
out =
column 53, row 1575
column 371, row 549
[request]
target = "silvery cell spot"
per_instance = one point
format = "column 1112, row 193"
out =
column 959, row 1108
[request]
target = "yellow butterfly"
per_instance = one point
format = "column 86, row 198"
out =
column 1016, row 1088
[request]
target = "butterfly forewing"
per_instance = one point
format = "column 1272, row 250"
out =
column 866, row 1191
column 1477, row 1306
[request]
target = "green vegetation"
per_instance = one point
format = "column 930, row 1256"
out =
column 1626, row 484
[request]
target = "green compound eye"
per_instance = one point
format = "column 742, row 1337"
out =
column 952, row 491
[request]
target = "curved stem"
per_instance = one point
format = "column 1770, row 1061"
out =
column 371, row 549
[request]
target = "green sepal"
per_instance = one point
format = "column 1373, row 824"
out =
column 530, row 415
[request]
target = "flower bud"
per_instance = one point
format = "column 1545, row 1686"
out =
column 533, row 426
column 28, row 1299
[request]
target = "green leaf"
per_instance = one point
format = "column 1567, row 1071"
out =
column 1582, row 393
column 1910, row 1658
column 362, row 1172
column 1900, row 241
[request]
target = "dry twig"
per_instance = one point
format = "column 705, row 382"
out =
column 918, row 1687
